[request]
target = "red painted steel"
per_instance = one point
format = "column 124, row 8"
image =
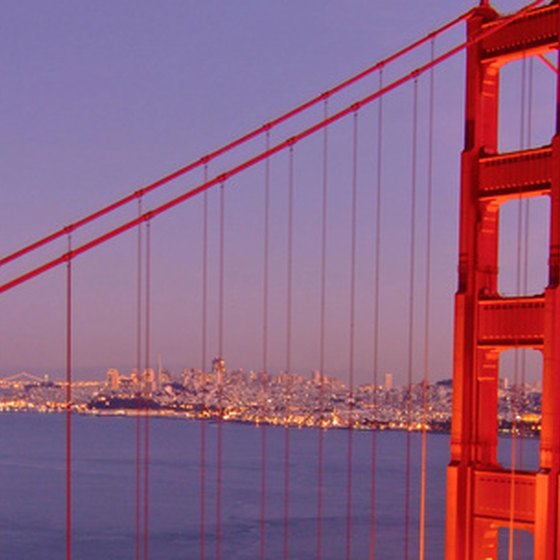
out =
column 376, row 301
column 264, row 373
column 351, row 344
column 69, row 406
column 411, row 314
column 220, row 370
column 427, row 311
column 536, row 32
column 204, row 328
column 482, row 496
column 147, row 358
column 548, row 63
column 504, row 177
column 138, row 419
column 289, row 325
column 322, row 327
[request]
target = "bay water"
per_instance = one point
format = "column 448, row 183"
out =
column 32, row 497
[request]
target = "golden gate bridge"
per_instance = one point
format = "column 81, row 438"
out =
column 330, row 151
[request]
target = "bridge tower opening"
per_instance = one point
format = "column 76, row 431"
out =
column 482, row 496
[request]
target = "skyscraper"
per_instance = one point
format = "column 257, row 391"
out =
column 388, row 381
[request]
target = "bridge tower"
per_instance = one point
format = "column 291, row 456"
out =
column 482, row 496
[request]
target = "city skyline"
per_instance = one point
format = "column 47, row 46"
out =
column 311, row 401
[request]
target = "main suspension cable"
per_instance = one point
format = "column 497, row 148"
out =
column 203, row 161
column 266, row 154
column 263, row 155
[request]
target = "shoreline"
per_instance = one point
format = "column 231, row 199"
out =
column 214, row 419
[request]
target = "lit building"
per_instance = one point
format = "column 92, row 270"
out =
column 388, row 381
column 219, row 367
column 149, row 380
column 113, row 379
column 317, row 377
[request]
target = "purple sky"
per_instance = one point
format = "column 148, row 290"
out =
column 101, row 98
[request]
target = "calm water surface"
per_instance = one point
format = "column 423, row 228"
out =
column 32, row 477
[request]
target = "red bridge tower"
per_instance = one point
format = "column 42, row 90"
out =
column 482, row 496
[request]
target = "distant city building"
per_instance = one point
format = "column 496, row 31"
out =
column 388, row 381
column 274, row 398
column 163, row 375
column 538, row 386
column 318, row 378
column 113, row 379
column 219, row 367
column 135, row 379
column 149, row 380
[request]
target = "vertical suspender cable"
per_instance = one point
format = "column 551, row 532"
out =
column 428, row 281
column 264, row 386
column 204, row 319
column 69, row 400
column 322, row 321
column 522, row 264
column 525, row 142
column 286, row 546
column 515, row 399
column 376, row 290
column 220, row 374
column 353, row 228
column 411, row 317
column 525, row 265
column 521, row 287
column 525, row 258
column 148, row 396
column 221, row 273
column 138, row 420
column 518, row 288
